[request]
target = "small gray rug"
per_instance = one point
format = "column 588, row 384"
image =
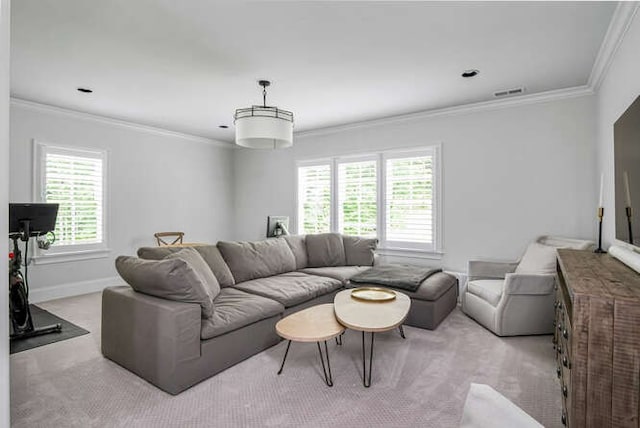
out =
column 42, row 318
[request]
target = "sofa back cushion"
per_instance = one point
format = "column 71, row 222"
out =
column 538, row 259
column 209, row 253
column 193, row 258
column 325, row 249
column 359, row 251
column 171, row 279
column 156, row 253
column 251, row 260
column 298, row 246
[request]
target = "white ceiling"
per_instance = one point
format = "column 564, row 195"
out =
column 187, row 65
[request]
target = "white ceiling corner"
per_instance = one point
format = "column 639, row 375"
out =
column 620, row 22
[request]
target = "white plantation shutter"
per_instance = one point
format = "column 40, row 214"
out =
column 358, row 198
column 75, row 179
column 314, row 199
column 391, row 195
column 409, row 200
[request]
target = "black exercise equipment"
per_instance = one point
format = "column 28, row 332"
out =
column 27, row 221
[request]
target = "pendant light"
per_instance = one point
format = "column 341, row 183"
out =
column 264, row 127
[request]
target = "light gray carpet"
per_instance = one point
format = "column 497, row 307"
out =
column 421, row 381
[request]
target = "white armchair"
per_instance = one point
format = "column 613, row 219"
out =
column 516, row 298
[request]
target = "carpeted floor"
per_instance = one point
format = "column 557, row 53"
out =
column 418, row 382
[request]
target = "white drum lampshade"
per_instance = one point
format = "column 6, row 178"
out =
column 264, row 127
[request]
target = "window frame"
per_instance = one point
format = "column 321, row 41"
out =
column 70, row 252
column 391, row 248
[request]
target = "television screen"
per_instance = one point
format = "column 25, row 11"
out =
column 626, row 133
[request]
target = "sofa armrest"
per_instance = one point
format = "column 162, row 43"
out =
column 490, row 269
column 148, row 335
column 528, row 284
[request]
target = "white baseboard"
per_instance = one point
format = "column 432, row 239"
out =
column 72, row 289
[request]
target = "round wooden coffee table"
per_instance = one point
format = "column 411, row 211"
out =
column 371, row 317
column 314, row 324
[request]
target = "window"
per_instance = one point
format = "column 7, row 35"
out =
column 409, row 200
column 74, row 179
column 392, row 195
column 314, row 199
column 358, row 198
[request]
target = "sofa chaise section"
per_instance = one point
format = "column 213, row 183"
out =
column 436, row 297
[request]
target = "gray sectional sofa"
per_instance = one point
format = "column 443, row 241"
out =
column 175, row 342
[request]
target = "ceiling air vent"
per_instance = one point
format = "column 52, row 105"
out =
column 508, row 92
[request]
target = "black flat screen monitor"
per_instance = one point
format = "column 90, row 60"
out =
column 41, row 217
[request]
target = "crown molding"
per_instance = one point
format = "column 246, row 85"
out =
column 541, row 97
column 32, row 105
column 618, row 27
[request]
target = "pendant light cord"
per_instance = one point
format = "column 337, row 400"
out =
column 264, row 96
column 264, row 84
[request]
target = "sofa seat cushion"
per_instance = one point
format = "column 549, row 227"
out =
column 430, row 290
column 259, row 259
column 489, row 290
column 291, row 288
column 209, row 253
column 341, row 273
column 235, row 309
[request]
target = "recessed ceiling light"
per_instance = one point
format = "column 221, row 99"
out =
column 470, row 73
column 85, row 90
column 223, row 126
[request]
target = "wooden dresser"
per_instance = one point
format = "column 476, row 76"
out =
column 597, row 340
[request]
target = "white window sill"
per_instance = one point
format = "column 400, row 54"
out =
column 410, row 253
column 70, row 256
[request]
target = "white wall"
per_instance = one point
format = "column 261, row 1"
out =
column 508, row 174
column 620, row 87
column 4, row 222
column 156, row 182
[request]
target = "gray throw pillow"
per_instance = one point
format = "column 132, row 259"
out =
column 325, row 249
column 157, row 253
column 193, row 257
column 359, row 251
column 209, row 253
column 171, row 279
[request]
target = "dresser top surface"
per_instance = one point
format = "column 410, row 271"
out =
column 593, row 274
